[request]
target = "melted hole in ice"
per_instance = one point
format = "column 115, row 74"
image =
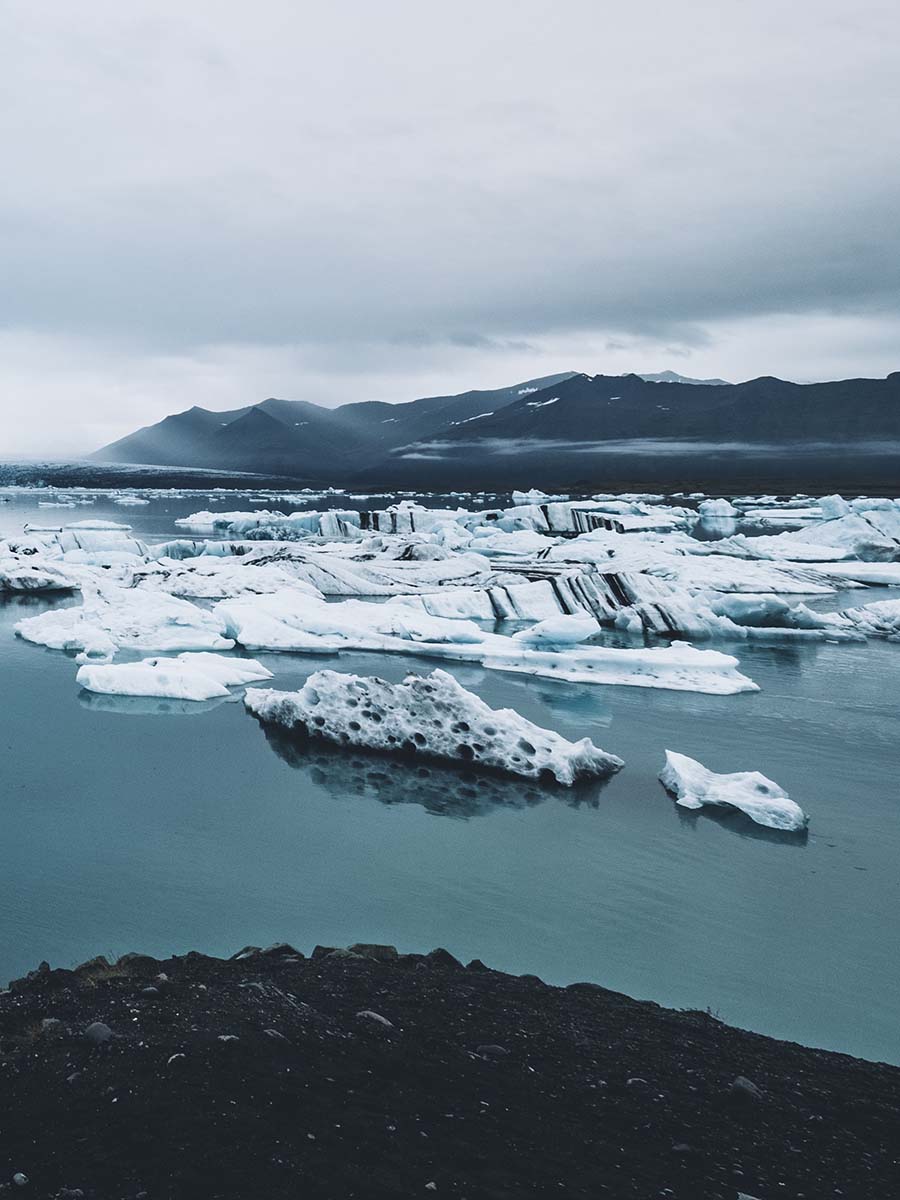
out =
column 420, row 739
column 526, row 747
column 313, row 696
column 355, row 726
column 465, row 751
column 319, row 721
column 460, row 727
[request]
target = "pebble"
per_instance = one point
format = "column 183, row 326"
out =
column 491, row 1051
column 51, row 1025
column 366, row 1014
column 745, row 1089
column 374, row 950
column 19, row 1179
column 228, row 1037
column 98, row 1033
column 176, row 1058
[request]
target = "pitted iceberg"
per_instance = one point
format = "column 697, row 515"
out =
column 432, row 717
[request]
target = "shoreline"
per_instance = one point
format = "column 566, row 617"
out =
column 364, row 1073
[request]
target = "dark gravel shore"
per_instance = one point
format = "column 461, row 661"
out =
column 369, row 1074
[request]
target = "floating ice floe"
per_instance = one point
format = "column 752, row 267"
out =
column 99, row 525
column 187, row 677
column 286, row 621
column 534, row 496
column 431, row 717
column 116, row 618
column 762, row 800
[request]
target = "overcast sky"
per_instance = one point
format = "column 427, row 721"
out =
column 208, row 203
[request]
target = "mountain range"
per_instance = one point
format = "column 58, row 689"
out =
column 570, row 428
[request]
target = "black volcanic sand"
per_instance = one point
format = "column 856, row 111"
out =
column 267, row 1076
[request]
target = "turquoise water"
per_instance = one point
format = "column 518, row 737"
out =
column 130, row 824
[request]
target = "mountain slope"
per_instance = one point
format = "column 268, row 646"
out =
column 611, row 407
column 300, row 438
column 674, row 377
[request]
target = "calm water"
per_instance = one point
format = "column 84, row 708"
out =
column 144, row 825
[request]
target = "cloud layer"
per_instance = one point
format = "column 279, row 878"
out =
column 211, row 203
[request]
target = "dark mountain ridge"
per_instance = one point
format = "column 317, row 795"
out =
column 564, row 430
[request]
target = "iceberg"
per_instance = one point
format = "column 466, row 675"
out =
column 431, row 717
column 762, row 800
column 187, row 677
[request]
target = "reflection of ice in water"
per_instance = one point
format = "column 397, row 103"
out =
column 441, row 790
column 149, row 706
column 740, row 824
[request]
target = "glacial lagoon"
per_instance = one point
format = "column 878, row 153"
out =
column 166, row 826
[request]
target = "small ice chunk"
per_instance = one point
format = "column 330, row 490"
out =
column 833, row 507
column 564, row 630
column 433, row 717
column 760, row 798
column 717, row 508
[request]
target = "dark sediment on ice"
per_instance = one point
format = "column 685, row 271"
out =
column 369, row 1074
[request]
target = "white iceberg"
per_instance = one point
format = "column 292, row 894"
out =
column 761, row 799
column 187, row 677
column 432, row 717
